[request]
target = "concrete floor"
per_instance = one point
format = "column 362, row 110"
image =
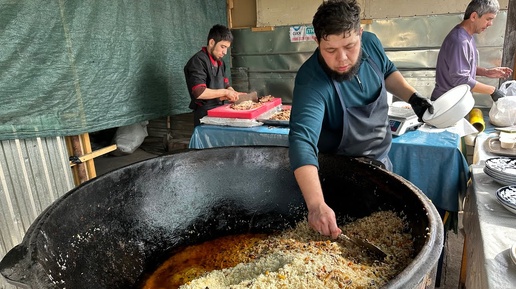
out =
column 452, row 258
column 107, row 163
column 453, row 243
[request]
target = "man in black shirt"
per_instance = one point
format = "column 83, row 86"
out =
column 205, row 74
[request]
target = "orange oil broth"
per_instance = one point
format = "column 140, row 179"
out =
column 195, row 260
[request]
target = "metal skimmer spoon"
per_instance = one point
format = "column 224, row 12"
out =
column 366, row 245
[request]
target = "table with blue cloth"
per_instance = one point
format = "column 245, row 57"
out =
column 434, row 163
column 431, row 161
column 211, row 136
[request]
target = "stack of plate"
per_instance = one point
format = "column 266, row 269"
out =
column 507, row 197
column 513, row 253
column 502, row 170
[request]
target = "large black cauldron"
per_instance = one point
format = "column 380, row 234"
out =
column 110, row 231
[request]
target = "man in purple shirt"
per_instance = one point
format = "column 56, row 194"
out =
column 458, row 57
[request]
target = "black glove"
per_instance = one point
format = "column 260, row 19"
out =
column 497, row 94
column 420, row 104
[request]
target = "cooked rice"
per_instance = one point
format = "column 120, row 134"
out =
column 301, row 258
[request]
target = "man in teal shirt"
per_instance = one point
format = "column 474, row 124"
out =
column 340, row 103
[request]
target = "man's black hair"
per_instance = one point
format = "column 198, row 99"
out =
column 218, row 33
column 336, row 17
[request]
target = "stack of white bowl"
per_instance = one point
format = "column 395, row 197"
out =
column 507, row 140
column 507, row 197
column 502, row 170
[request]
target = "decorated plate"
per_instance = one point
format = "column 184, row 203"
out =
column 507, row 195
column 503, row 166
column 503, row 180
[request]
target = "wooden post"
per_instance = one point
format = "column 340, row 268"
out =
column 509, row 46
column 463, row 265
column 86, row 149
column 74, row 148
column 514, row 68
column 81, row 162
column 229, row 12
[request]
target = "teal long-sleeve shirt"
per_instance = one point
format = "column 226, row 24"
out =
column 316, row 120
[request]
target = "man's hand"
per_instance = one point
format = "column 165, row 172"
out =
column 322, row 219
column 498, row 72
column 230, row 95
column 420, row 104
column 497, row 94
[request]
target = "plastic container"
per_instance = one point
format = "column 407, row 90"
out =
column 112, row 230
column 507, row 140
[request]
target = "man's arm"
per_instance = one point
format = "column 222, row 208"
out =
column 320, row 216
column 398, row 86
column 496, row 72
column 483, row 88
column 223, row 94
column 196, row 74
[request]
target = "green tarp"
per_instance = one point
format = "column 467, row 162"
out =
column 70, row 67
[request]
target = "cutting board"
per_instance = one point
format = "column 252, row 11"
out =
column 227, row 112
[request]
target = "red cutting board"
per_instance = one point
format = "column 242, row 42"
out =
column 228, row 112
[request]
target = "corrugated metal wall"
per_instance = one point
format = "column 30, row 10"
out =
column 268, row 61
column 33, row 173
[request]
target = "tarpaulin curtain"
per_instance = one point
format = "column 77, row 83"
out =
column 69, row 67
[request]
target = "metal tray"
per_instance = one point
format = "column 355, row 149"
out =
column 274, row 122
column 492, row 145
column 265, row 118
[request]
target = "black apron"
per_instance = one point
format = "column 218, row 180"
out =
column 217, row 82
column 365, row 130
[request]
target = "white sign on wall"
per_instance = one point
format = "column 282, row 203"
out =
column 302, row 33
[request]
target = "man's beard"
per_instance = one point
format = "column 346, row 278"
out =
column 213, row 55
column 339, row 77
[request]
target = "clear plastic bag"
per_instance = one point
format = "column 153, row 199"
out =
column 509, row 88
column 503, row 111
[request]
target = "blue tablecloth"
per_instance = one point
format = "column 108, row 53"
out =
column 210, row 136
column 434, row 163
column 431, row 161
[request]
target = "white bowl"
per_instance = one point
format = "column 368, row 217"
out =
column 507, row 143
column 509, row 135
column 450, row 107
column 507, row 140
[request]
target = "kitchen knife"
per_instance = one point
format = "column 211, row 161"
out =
column 253, row 96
